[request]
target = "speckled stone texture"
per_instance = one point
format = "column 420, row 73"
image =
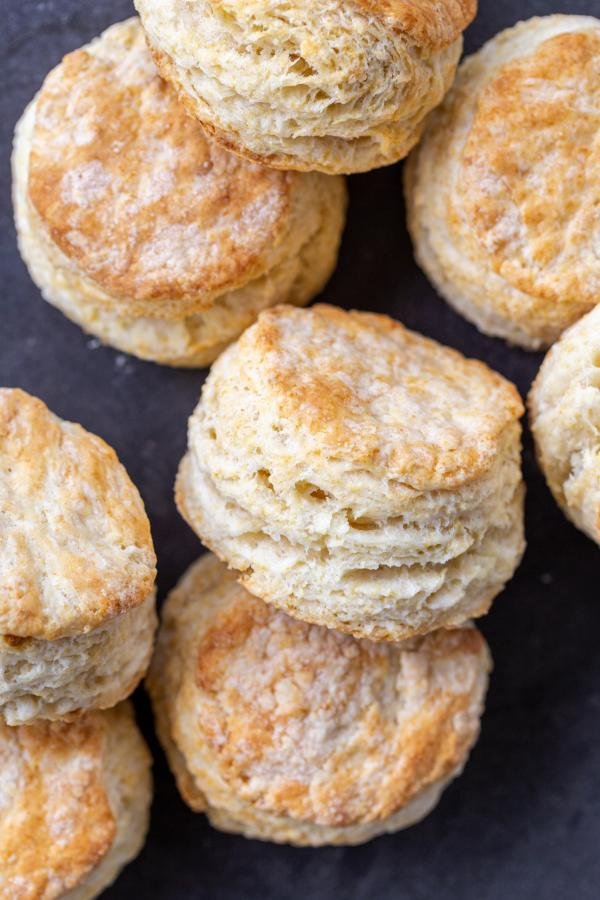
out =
column 522, row 821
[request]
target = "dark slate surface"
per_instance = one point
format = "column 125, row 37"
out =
column 523, row 821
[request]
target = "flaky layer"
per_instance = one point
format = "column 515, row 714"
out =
column 334, row 87
column 59, row 679
column 290, row 732
column 75, row 800
column 75, row 543
column 564, row 405
column 359, row 475
column 378, row 579
column 502, row 192
column 194, row 340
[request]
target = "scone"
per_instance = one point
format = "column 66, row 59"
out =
column 77, row 568
column 359, row 476
column 329, row 86
column 503, row 191
column 74, row 802
column 293, row 733
column 145, row 232
column 564, row 411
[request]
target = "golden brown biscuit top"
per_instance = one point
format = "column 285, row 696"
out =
column 56, row 823
column 430, row 23
column 360, row 387
column 530, row 178
column 133, row 192
column 75, row 544
column 309, row 723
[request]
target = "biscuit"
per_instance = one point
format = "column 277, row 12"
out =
column 332, row 86
column 295, row 733
column 143, row 231
column 77, row 568
column 75, row 802
column 503, row 190
column 359, row 475
column 564, row 411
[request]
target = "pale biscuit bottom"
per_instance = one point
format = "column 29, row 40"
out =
column 59, row 679
column 390, row 601
column 190, row 340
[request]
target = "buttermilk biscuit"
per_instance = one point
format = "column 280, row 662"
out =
column 142, row 230
column 564, row 410
column 77, row 568
column 329, row 86
column 358, row 475
column 74, row 804
column 294, row 733
column 504, row 189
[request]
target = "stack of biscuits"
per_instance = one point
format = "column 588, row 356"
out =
column 179, row 193
column 364, row 484
column 77, row 626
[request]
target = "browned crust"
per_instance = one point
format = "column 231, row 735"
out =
column 58, row 825
column 252, row 684
column 111, row 228
column 62, row 486
column 430, row 746
column 432, row 24
column 528, row 124
column 328, row 403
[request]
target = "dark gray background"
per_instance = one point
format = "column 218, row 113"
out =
column 523, row 821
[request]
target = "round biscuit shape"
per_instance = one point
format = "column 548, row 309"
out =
column 169, row 247
column 564, row 411
column 330, row 86
column 193, row 340
column 294, row 733
column 74, row 804
column 75, row 543
column 503, row 193
column 359, row 476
